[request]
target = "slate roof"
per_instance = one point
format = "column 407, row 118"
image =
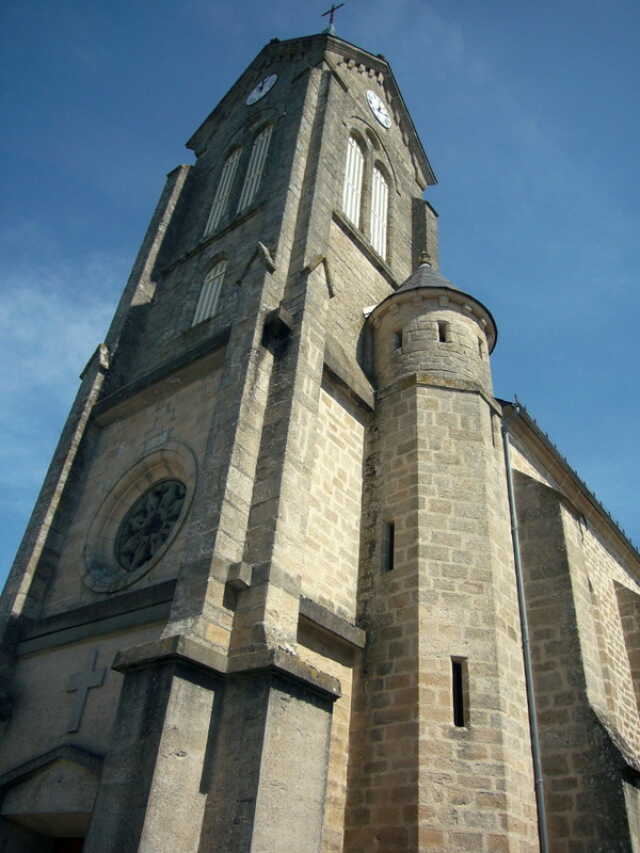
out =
column 426, row 276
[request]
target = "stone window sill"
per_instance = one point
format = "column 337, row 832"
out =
column 238, row 219
column 365, row 247
column 236, row 222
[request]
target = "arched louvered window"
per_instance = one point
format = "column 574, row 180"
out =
column 352, row 188
column 379, row 212
column 210, row 293
column 255, row 168
column 221, row 198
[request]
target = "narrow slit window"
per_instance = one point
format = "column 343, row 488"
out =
column 210, row 293
column 255, row 168
column 352, row 187
column 480, row 348
column 397, row 340
column 459, row 691
column 221, row 198
column 443, row 332
column 388, row 546
column 379, row 212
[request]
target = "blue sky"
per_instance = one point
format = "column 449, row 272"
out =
column 529, row 113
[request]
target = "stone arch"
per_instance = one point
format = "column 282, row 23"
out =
column 173, row 461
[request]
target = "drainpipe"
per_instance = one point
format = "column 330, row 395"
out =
column 526, row 647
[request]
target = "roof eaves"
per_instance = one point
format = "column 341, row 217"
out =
column 528, row 421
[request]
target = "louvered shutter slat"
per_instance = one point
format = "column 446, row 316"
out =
column 379, row 212
column 223, row 192
column 210, row 293
column 352, row 189
column 255, row 168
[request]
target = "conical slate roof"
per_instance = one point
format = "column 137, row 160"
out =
column 426, row 276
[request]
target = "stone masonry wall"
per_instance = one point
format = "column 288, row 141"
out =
column 388, row 147
column 43, row 705
column 475, row 780
column 629, row 607
column 320, row 650
column 358, row 285
column 383, row 799
column 601, row 578
column 409, row 336
column 173, row 413
column 582, row 769
column 335, row 494
column 418, row 781
column 607, row 574
column 156, row 331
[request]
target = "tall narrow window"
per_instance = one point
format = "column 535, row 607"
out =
column 458, row 691
column 443, row 332
column 388, row 546
column 255, row 168
column 221, row 198
column 352, row 189
column 210, row 293
column 379, row 212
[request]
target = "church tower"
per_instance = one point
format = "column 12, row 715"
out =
column 266, row 600
column 264, row 487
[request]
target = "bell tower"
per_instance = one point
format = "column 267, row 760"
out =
column 266, row 582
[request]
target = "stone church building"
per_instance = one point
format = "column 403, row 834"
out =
column 296, row 581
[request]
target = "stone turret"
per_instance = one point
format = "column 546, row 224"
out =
column 442, row 692
column 430, row 326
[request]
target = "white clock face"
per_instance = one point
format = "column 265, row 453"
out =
column 379, row 108
column 261, row 89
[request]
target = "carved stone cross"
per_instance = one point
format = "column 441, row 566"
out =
column 80, row 683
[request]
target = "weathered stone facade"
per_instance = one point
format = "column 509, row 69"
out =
column 318, row 646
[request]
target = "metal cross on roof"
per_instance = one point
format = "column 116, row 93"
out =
column 332, row 13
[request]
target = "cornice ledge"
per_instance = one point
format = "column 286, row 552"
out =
column 183, row 649
column 205, row 242
column 70, row 752
column 328, row 621
column 428, row 380
column 215, row 341
column 289, row 666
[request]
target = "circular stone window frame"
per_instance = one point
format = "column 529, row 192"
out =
column 175, row 461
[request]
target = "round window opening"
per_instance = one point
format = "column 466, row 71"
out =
column 149, row 524
column 140, row 518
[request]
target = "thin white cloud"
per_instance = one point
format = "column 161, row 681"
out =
column 50, row 321
column 53, row 313
column 52, row 316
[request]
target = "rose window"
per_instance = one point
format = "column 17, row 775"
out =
column 149, row 523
